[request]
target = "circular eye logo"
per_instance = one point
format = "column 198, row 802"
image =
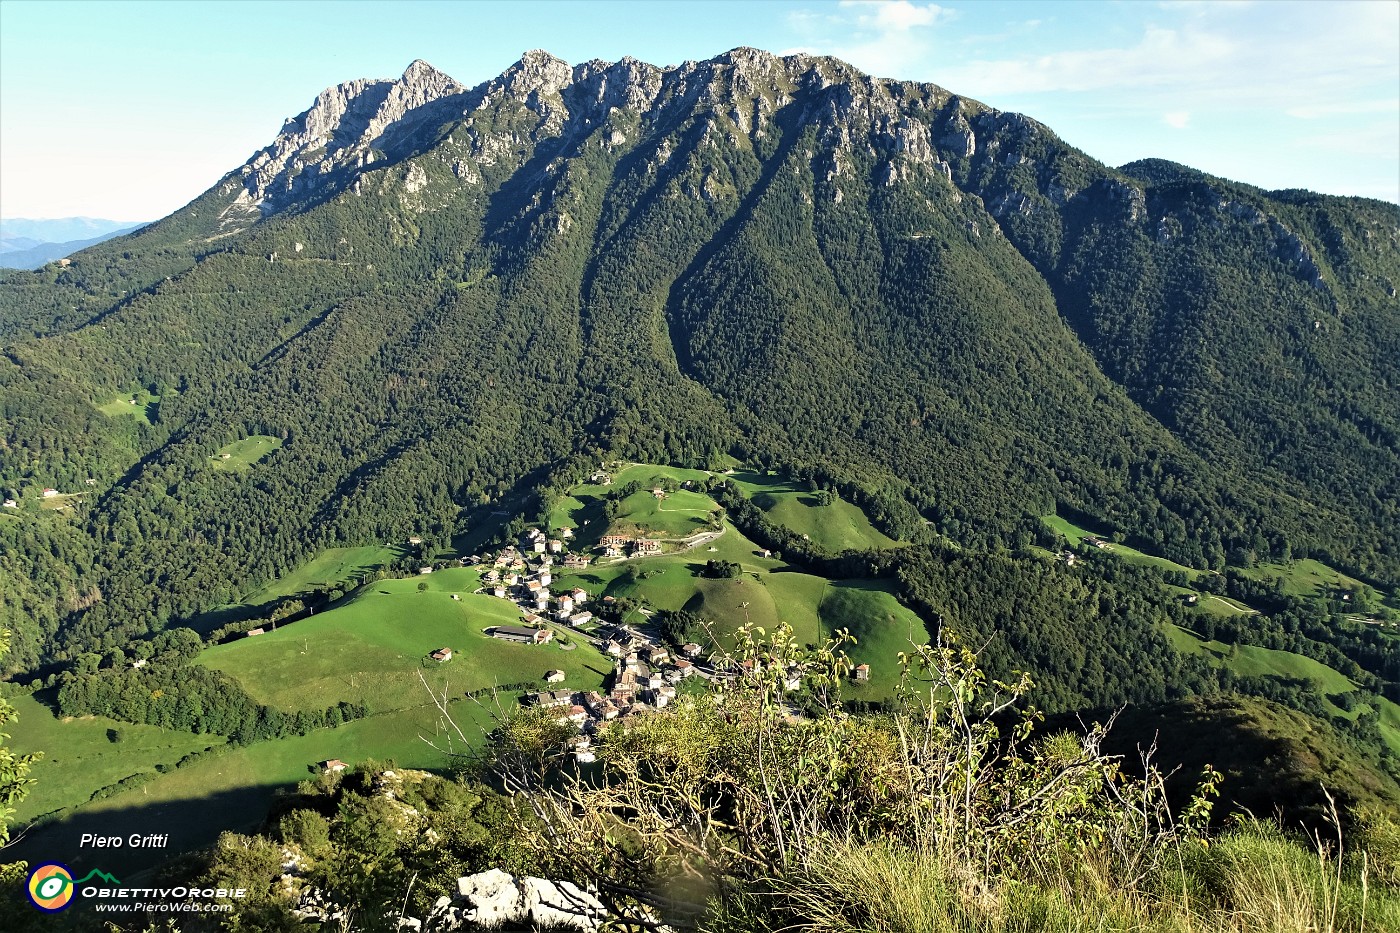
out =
column 50, row 887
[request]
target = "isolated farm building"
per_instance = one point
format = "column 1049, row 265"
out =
column 50, row 493
column 522, row 635
column 255, row 631
column 333, row 766
column 862, row 672
column 442, row 654
column 414, row 540
column 425, row 570
column 554, row 677
column 11, row 504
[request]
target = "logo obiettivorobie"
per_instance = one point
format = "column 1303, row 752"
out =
column 51, row 885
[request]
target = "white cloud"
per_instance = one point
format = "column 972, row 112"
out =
column 1177, row 119
column 897, row 15
column 889, row 38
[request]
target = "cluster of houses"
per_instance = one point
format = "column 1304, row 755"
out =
column 644, row 680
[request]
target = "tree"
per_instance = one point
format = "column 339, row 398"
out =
column 14, row 777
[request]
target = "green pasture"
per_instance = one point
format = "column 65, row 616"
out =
column 145, row 407
column 234, row 790
column 681, row 514
column 882, row 627
column 766, row 593
column 373, row 648
column 332, row 567
column 80, row 756
column 1307, row 578
column 1251, row 660
column 1074, row 534
column 835, row 527
column 240, row 456
column 1210, row 603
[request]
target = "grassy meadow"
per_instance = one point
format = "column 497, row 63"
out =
column 836, row 527
column 83, row 755
column 140, row 405
column 1074, row 534
column 240, row 456
column 234, row 790
column 372, row 648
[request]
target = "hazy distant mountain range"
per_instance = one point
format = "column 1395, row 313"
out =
column 28, row 244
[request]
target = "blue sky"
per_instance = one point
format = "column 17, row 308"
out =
column 128, row 110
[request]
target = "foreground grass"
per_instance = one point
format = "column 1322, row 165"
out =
column 1251, row 879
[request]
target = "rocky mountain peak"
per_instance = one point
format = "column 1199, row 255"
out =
column 347, row 125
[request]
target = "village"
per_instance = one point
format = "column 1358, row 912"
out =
column 647, row 674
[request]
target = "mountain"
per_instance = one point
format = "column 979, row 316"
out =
column 26, row 253
column 443, row 301
column 61, row 229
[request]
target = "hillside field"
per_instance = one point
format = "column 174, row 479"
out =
column 82, row 755
column 140, row 405
column 234, row 790
column 836, row 527
column 1074, row 534
column 240, row 456
column 372, row 647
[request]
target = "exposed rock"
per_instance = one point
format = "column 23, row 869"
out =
column 341, row 130
column 496, row 897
